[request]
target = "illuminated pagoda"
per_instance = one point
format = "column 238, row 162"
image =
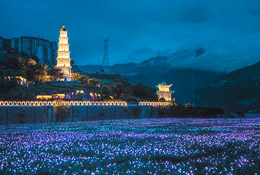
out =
column 63, row 59
column 164, row 92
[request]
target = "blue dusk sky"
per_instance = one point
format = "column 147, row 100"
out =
column 141, row 29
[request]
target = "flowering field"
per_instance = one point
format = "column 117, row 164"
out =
column 141, row 146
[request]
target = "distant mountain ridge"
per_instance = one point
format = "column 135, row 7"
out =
column 235, row 91
column 170, row 69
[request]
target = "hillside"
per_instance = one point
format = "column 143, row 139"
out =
column 169, row 69
column 236, row 91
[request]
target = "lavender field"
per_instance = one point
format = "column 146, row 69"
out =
column 141, row 146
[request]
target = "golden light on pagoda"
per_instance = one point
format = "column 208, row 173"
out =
column 164, row 92
column 164, row 87
column 63, row 59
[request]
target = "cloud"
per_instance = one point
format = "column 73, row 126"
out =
column 216, row 57
column 142, row 50
column 194, row 14
column 142, row 53
column 139, row 30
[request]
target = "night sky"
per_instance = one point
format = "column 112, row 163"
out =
column 139, row 30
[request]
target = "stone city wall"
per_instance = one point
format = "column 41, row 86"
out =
column 50, row 114
column 68, row 111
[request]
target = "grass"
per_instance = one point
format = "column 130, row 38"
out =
column 137, row 146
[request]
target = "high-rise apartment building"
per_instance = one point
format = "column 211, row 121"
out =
column 45, row 50
column 2, row 52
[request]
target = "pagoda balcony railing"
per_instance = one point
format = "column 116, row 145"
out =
column 166, row 91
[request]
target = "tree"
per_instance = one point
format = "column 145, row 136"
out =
column 84, row 79
column 91, row 81
column 106, row 92
column 118, row 91
column 36, row 72
column 77, row 77
column 55, row 73
column 35, row 58
column 41, row 74
column 5, row 86
column 144, row 92
column 139, row 91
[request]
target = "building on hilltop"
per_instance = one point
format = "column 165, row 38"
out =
column 82, row 95
column 63, row 59
column 2, row 52
column 32, row 46
column 164, row 92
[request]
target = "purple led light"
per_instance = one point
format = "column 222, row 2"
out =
column 142, row 146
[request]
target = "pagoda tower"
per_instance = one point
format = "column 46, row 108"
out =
column 63, row 59
column 165, row 92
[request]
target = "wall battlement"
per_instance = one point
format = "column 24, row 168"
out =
column 148, row 103
column 79, row 103
column 65, row 103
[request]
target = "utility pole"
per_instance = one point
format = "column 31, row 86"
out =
column 105, row 63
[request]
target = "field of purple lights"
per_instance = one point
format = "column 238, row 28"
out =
column 137, row 146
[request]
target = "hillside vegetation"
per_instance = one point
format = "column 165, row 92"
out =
column 237, row 91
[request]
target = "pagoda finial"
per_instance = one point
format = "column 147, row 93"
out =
column 63, row 28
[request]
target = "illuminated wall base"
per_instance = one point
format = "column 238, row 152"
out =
column 80, row 103
column 149, row 103
column 66, row 103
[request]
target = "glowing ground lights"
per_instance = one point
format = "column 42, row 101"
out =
column 143, row 146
